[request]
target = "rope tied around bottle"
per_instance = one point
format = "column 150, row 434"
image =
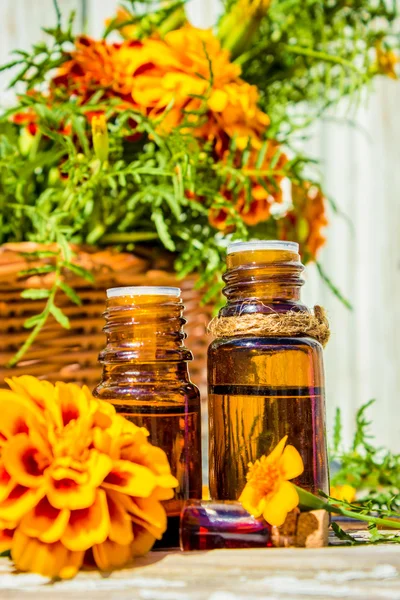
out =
column 287, row 324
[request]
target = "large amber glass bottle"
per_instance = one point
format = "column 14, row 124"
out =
column 263, row 388
column 146, row 378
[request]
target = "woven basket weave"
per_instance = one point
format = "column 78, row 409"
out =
column 71, row 354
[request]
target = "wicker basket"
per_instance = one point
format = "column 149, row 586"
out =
column 71, row 354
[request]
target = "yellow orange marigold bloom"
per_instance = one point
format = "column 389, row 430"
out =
column 97, row 64
column 254, row 205
column 304, row 223
column 188, row 73
column 78, row 483
column 268, row 491
column 386, row 61
column 343, row 492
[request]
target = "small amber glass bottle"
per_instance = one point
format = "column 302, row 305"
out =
column 146, row 378
column 263, row 388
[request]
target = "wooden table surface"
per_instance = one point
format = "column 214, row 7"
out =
column 357, row 573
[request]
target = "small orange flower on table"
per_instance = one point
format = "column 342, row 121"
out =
column 79, row 484
column 268, row 492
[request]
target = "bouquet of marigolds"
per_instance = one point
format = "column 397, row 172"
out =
column 178, row 138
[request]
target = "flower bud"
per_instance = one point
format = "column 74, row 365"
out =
column 100, row 137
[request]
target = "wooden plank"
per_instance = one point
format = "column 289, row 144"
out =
column 363, row 573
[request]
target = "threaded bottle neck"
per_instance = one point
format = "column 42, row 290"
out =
column 144, row 328
column 261, row 279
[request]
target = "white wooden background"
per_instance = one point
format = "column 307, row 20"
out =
column 362, row 172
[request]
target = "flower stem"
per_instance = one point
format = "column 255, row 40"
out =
column 312, row 502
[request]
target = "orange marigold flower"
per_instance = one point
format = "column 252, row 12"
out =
column 28, row 118
column 188, row 72
column 263, row 195
column 77, row 481
column 306, row 220
column 268, row 491
column 344, row 492
column 386, row 61
column 97, row 64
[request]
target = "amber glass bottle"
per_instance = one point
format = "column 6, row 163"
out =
column 263, row 388
column 146, row 378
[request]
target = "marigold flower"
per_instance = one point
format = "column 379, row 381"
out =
column 78, row 483
column 344, row 492
column 306, row 220
column 253, row 206
column 186, row 73
column 386, row 61
column 268, row 491
column 98, row 65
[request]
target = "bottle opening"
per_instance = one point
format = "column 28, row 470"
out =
column 144, row 290
column 263, row 245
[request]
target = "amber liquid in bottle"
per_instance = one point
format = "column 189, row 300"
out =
column 146, row 378
column 263, row 388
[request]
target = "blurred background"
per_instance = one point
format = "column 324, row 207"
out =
column 360, row 157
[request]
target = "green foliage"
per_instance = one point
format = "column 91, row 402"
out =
column 374, row 472
column 158, row 191
column 305, row 56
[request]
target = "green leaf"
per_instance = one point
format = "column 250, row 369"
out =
column 34, row 294
column 78, row 126
column 38, row 270
column 34, row 320
column 72, row 295
column 59, row 316
column 64, row 245
column 162, row 230
column 342, row 535
column 81, row 271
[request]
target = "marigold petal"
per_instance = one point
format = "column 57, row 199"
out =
column 49, row 560
column 142, row 543
column 40, row 394
column 251, row 498
column 6, row 537
column 45, row 522
column 19, row 502
column 88, row 526
column 23, row 461
column 291, row 463
column 17, row 414
column 218, row 101
column 277, row 451
column 6, row 483
column 120, row 520
column 110, row 555
column 280, row 504
column 68, row 487
column 130, row 478
column 149, row 513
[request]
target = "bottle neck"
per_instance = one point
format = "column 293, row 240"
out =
column 261, row 281
column 137, row 373
column 145, row 337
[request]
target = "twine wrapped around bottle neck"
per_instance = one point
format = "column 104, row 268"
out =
column 274, row 325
